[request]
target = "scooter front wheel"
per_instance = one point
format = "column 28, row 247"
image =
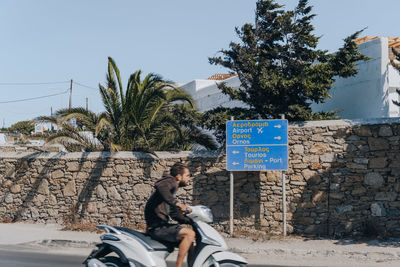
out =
column 228, row 263
column 111, row 261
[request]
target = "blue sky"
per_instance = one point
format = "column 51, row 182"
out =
column 54, row 41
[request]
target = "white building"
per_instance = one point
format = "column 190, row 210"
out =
column 369, row 94
column 208, row 96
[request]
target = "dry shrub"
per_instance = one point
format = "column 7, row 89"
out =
column 82, row 227
column 7, row 219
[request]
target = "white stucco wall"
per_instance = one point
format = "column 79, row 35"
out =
column 208, row 96
column 368, row 94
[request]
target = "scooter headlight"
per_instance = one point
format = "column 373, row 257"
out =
column 208, row 217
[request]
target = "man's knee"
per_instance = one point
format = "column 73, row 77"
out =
column 187, row 233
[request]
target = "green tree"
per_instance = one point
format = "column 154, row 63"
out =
column 279, row 66
column 24, row 127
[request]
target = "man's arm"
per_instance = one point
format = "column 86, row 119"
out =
column 178, row 216
column 165, row 191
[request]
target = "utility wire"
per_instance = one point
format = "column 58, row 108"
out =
column 32, row 98
column 85, row 86
column 33, row 83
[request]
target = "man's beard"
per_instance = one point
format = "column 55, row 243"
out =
column 182, row 184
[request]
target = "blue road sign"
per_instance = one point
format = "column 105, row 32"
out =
column 257, row 145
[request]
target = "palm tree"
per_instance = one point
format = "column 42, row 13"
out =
column 151, row 114
column 74, row 140
column 90, row 135
column 138, row 116
column 178, row 129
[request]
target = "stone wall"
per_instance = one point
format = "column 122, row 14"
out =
column 343, row 179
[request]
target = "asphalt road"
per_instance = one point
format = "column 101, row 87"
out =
column 11, row 258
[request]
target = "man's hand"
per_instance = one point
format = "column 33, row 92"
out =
column 183, row 207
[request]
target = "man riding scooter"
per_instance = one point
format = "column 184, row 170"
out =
column 163, row 205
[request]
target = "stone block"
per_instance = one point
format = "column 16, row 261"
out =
column 377, row 144
column 113, row 193
column 222, row 178
column 57, row 174
column 334, row 186
column 296, row 177
column 142, row 190
column 356, row 166
column 320, row 148
column 362, row 131
column 73, row 166
column 92, row 207
column 121, row 168
column 359, row 191
column 298, row 149
column 320, row 196
column 361, row 160
column 9, row 198
column 100, row 192
column 336, row 195
column 278, row 216
column 307, row 174
column 107, row 172
column 377, row 163
column 329, row 157
column 43, row 187
column 15, row 189
column 52, row 212
column 304, row 220
column 69, row 189
column 34, row 212
column 344, row 209
column 386, row 196
column 316, row 166
column 123, row 179
column 377, row 209
column 354, row 178
column 310, row 158
column 373, row 179
column 385, row 131
column 394, row 164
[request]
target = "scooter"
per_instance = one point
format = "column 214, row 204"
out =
column 137, row 249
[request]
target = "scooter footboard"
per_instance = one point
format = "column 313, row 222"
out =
column 226, row 255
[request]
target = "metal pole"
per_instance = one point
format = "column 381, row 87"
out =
column 231, row 199
column 284, row 195
column 87, row 104
column 70, row 95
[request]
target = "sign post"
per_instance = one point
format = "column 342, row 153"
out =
column 253, row 145
column 231, row 181
column 284, row 196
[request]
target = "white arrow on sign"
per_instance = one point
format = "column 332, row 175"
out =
column 278, row 126
column 277, row 137
column 235, row 152
column 235, row 163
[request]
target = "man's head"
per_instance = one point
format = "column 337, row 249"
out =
column 181, row 172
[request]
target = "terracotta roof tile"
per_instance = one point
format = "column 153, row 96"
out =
column 221, row 77
column 393, row 42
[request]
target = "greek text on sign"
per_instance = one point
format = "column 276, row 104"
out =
column 257, row 145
